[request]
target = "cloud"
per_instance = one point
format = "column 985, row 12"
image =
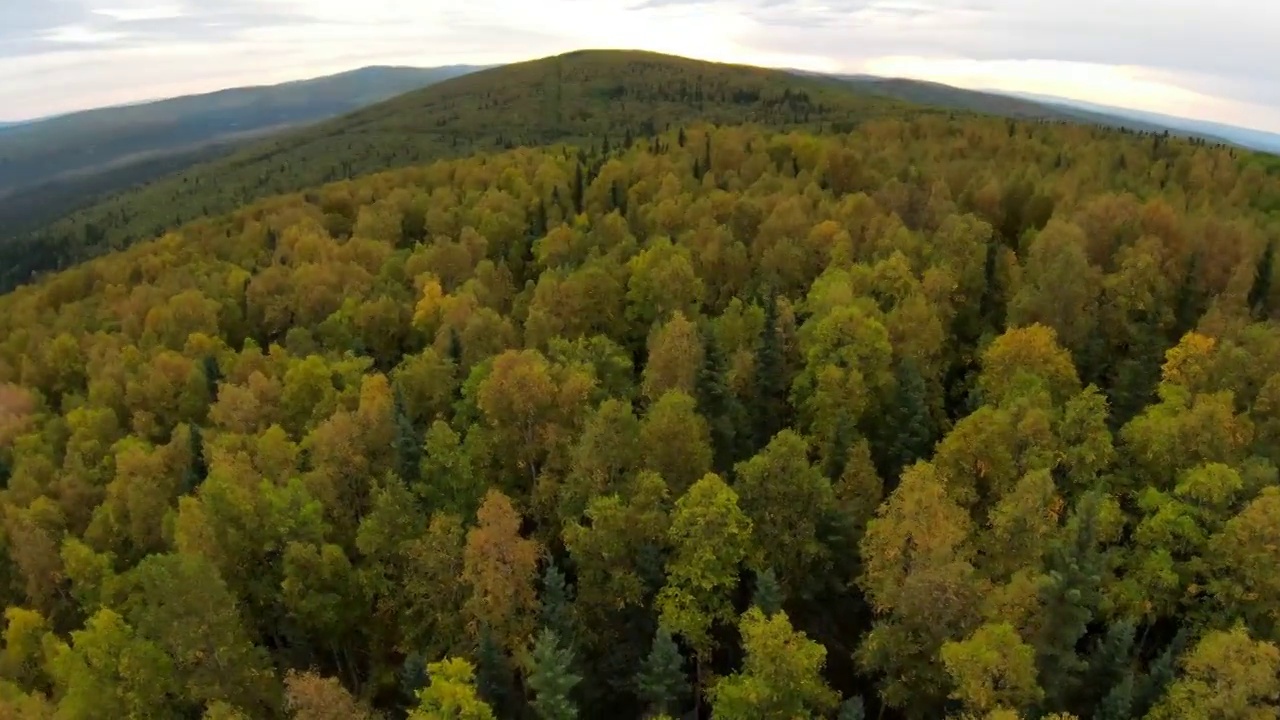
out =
column 1208, row 59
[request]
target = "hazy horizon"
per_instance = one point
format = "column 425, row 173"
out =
column 62, row 56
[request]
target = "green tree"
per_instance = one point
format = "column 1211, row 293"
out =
column 662, row 682
column 787, row 500
column 710, row 537
column 451, row 693
column 1228, row 675
column 780, row 677
column 551, row 678
column 557, row 606
column 768, row 594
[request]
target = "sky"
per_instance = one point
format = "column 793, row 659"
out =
column 1209, row 60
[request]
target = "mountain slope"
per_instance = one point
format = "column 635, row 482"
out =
column 34, row 153
column 1024, row 106
column 583, row 98
column 52, row 167
column 1247, row 137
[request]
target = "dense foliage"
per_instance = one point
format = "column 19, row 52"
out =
column 938, row 418
column 592, row 98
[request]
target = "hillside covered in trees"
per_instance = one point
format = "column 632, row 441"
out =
column 592, row 99
column 936, row 418
column 52, row 167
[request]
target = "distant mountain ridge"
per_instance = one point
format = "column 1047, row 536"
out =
column 1024, row 105
column 36, row 152
column 1251, row 138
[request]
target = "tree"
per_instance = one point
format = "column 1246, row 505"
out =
column 852, row 709
column 309, row 696
column 909, row 425
column 769, row 401
column 1259, row 298
column 710, row 537
column 557, row 608
column 781, row 676
column 675, row 441
column 500, row 567
column 662, row 682
column 408, row 444
column 551, row 679
column 1228, row 675
column 768, row 594
column 495, row 678
column 787, row 499
column 451, row 693
column 109, row 670
column 920, row 583
column 1069, row 594
column 676, row 357
column 992, row 670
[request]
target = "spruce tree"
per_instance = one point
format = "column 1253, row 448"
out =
column 1150, row 687
column 455, row 348
column 718, row 404
column 556, row 610
column 198, row 468
column 1068, row 595
column 494, row 678
column 212, row 375
column 1260, row 293
column 908, row 432
column 551, row 678
column 769, row 411
column 680, row 138
column 662, row 682
column 578, row 188
column 768, row 594
column 1118, row 703
column 408, row 442
column 852, row 709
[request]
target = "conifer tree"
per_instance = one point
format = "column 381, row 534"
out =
column 770, row 385
column 768, row 594
column 719, row 405
column 556, row 608
column 494, row 676
column 852, row 709
column 408, row 443
column 1069, row 594
column 1150, row 687
column 662, row 682
column 578, row 188
column 1260, row 292
column 551, row 678
column 908, row 431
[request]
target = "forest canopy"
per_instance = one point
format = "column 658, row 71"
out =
column 961, row 418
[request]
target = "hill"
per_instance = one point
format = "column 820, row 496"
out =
column 583, row 98
column 36, row 152
column 945, row 417
column 1027, row 106
column 1251, row 138
column 51, row 167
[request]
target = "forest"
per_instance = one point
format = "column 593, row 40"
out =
column 935, row 418
column 587, row 98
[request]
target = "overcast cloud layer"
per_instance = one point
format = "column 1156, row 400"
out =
column 1207, row 60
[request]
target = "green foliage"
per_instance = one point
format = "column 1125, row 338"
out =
column 551, row 678
column 292, row 440
column 768, row 593
column 662, row 682
column 780, row 677
column 450, row 693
